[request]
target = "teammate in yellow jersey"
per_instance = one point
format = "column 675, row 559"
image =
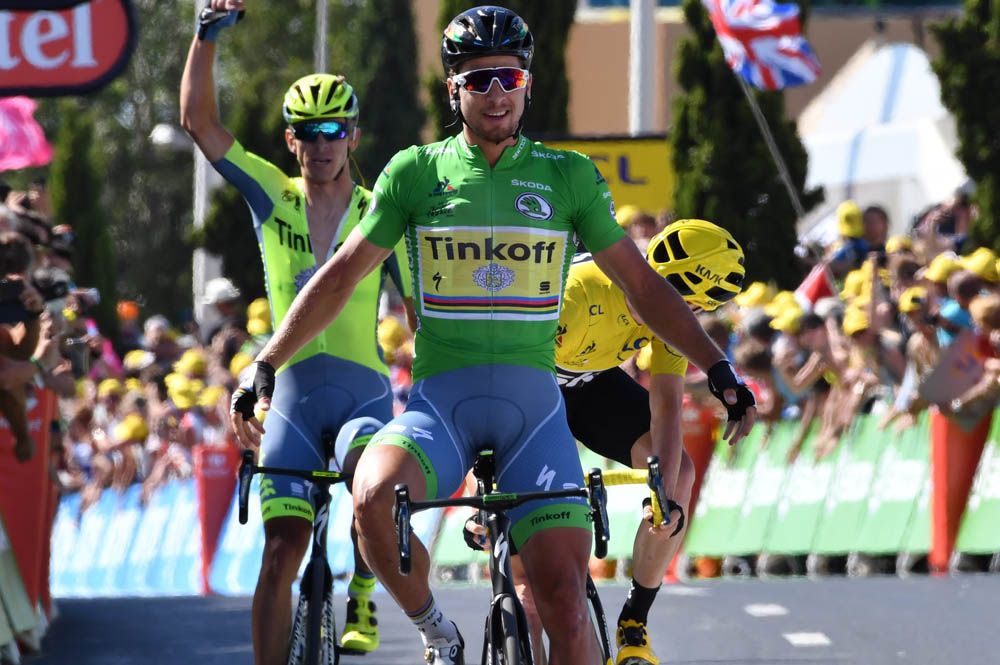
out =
column 614, row 416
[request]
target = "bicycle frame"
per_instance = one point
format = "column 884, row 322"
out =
column 318, row 575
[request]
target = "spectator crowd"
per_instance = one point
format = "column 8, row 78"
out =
column 875, row 317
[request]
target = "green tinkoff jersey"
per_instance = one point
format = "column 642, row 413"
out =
column 278, row 206
column 489, row 247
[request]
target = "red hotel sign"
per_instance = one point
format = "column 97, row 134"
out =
column 45, row 53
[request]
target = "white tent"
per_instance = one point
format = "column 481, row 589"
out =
column 879, row 134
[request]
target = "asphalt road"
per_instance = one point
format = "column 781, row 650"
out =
column 872, row 621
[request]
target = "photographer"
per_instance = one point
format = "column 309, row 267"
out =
column 20, row 308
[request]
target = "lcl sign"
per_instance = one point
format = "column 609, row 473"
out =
column 63, row 47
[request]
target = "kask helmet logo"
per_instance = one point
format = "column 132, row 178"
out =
column 533, row 206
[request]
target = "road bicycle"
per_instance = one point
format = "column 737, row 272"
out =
column 483, row 471
column 506, row 639
column 314, row 630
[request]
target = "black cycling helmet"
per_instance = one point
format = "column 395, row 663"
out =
column 486, row 30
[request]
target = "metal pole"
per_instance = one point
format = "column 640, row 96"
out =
column 319, row 44
column 772, row 147
column 642, row 53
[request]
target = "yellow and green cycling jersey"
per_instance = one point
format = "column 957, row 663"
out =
column 597, row 332
column 278, row 205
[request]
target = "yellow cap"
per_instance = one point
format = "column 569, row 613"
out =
column 390, row 333
column 757, row 294
column 174, row 379
column 855, row 320
column 138, row 359
column 133, row 385
column 898, row 244
column 258, row 326
column 941, row 268
column 982, row 262
column 788, row 320
column 626, row 215
column 192, row 363
column 912, row 299
column 133, row 428
column 239, row 363
column 779, row 303
column 849, row 222
column 110, row 387
column 184, row 394
column 210, row 396
column 854, row 284
column 259, row 309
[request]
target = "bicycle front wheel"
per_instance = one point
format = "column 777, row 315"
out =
column 507, row 645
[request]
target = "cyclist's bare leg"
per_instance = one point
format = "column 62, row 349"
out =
column 555, row 561
column 378, row 471
column 531, row 612
column 350, row 466
column 285, row 542
column 655, row 548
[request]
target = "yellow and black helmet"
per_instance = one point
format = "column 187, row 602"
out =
column 319, row 96
column 699, row 259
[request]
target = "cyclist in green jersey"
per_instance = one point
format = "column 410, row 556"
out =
column 490, row 220
column 336, row 385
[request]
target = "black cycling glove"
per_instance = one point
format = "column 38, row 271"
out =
column 475, row 542
column 257, row 381
column 722, row 377
column 211, row 22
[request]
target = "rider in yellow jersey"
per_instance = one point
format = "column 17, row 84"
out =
column 613, row 415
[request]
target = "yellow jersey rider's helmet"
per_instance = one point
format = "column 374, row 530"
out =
column 319, row 96
column 699, row 259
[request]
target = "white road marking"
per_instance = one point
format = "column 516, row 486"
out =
column 807, row 639
column 765, row 610
column 681, row 590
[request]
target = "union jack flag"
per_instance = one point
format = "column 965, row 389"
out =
column 763, row 42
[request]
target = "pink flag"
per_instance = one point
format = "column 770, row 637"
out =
column 22, row 142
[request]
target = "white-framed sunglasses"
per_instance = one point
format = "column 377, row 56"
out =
column 479, row 81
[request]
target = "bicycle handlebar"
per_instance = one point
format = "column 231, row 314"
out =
column 492, row 502
column 248, row 469
column 652, row 477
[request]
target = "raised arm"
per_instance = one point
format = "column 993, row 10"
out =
column 199, row 109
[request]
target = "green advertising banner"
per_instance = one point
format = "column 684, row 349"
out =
column 722, row 495
column 918, row 536
column 14, row 602
column 846, row 501
column 980, row 530
column 800, row 508
column 767, row 482
column 903, row 472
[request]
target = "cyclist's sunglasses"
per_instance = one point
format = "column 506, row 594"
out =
column 480, row 80
column 332, row 130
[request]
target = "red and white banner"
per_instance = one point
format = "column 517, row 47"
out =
column 817, row 285
column 49, row 49
column 22, row 141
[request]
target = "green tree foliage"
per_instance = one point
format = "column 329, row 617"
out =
column 724, row 171
column 385, row 76
column 549, row 22
column 75, row 176
column 143, row 193
column 969, row 70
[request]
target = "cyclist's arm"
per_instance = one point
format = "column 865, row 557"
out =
column 199, row 110
column 324, row 296
column 666, row 396
column 658, row 304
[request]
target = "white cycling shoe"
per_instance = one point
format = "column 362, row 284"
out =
column 444, row 651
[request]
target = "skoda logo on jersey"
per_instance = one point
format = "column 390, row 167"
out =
column 493, row 277
column 533, row 206
column 303, row 277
